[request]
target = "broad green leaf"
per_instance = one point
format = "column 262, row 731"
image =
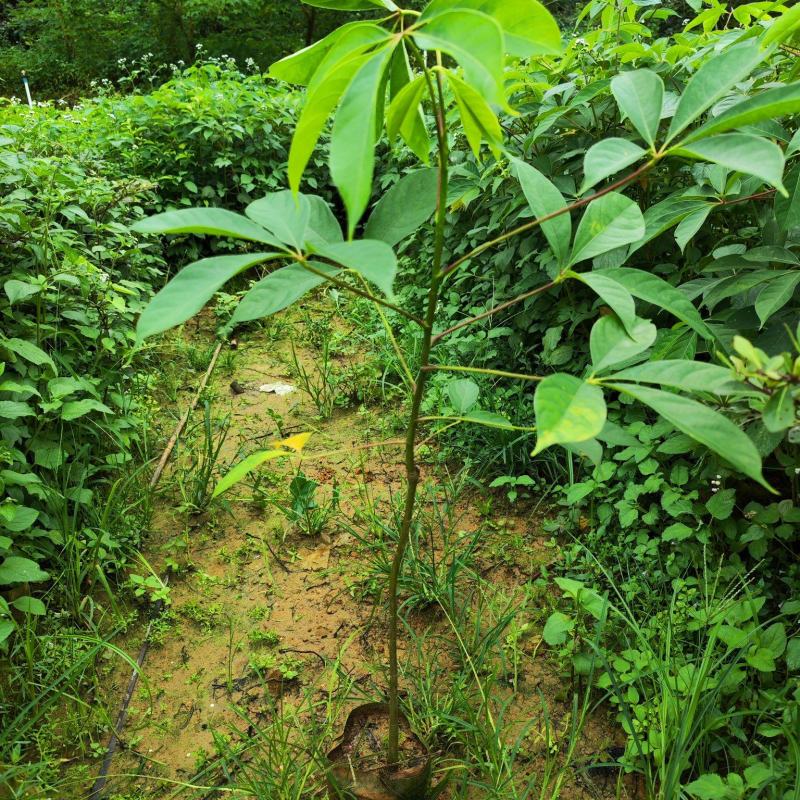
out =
column 607, row 158
column 690, row 376
column 209, row 221
column 528, row 26
column 712, row 80
column 586, row 598
column 567, row 410
column 7, row 627
column 668, row 212
column 779, row 410
column 776, row 294
column 325, row 91
column 322, row 224
column 404, row 115
column 299, row 67
column 407, row 206
column 187, row 293
column 245, row 467
column 17, row 291
column 284, row 214
column 475, row 41
column 704, row 425
column 743, row 152
column 787, row 209
column 352, row 5
column 79, row 408
column 721, row 504
column 28, row 351
column 708, row 787
column 783, row 27
column 478, row 120
column 16, row 569
column 370, row 258
column 658, row 292
column 556, row 628
column 614, row 294
column 463, row 394
column 640, row 97
column 29, row 605
column 691, row 224
column 15, row 409
column 609, row 222
column 769, row 104
column 591, row 449
column 278, row 290
column 610, row 343
column 544, row 198
column 352, row 153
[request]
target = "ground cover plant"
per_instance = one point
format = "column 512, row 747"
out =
column 577, row 271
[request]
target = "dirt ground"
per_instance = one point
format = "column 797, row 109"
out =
column 262, row 613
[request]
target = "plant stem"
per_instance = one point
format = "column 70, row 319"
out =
column 412, row 469
column 499, row 373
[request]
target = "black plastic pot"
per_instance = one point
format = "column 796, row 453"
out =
column 356, row 778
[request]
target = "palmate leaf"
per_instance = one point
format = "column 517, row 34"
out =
column 352, row 154
column 478, row 120
column 187, row 293
column 704, row 425
column 544, row 198
column 567, row 410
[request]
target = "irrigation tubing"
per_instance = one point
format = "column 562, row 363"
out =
column 113, row 742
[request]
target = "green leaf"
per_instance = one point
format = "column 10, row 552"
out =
column 769, row 104
column 783, row 27
column 721, row 504
column 7, row 627
column 712, row 80
column 16, row 569
column 330, row 80
column 245, row 467
column 743, row 152
column 776, row 294
column 475, row 41
column 590, row 449
column 610, row 221
column 670, row 211
column 704, row 425
column 322, row 224
column 210, row 221
column 79, row 408
column 586, row 598
column 787, row 209
column 529, row 28
column 793, row 654
column 15, row 409
column 187, row 293
column 477, row 118
column 608, row 158
column 20, row 290
column 28, row 351
column 658, row 292
column 370, row 258
column 404, row 115
column 556, row 628
column 677, row 532
column 407, row 206
column 708, row 787
column 488, row 418
column 463, row 394
column 640, row 97
column 778, row 412
column 284, row 214
column 612, row 293
column 30, row 605
column 610, row 343
column 544, row 198
column 352, row 5
column 278, row 290
column 691, row 224
column 690, row 376
column 352, row 154
column 567, row 410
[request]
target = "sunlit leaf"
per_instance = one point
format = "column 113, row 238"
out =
column 245, row 467
column 640, row 97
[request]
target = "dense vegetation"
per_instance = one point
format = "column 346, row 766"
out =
column 679, row 573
